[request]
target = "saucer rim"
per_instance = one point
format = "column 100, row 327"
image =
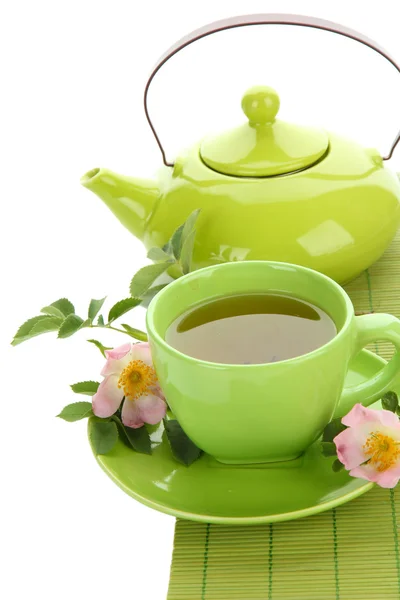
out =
column 221, row 520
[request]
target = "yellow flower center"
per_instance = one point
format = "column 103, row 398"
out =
column 383, row 450
column 137, row 379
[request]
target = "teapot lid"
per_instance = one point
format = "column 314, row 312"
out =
column 264, row 146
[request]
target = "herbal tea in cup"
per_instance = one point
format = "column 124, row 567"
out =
column 253, row 328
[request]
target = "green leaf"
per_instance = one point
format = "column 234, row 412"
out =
column 25, row 329
column 100, row 346
column 333, row 429
column 390, row 401
column 183, row 449
column 167, row 248
column 53, row 311
column 31, row 328
column 45, row 325
column 64, row 306
column 138, row 439
column 187, row 241
column 176, row 242
column 187, row 252
column 76, row 411
column 183, row 236
column 189, row 225
column 158, row 255
column 101, row 419
column 103, row 435
column 135, row 333
column 100, row 321
column 174, row 245
column 122, row 307
column 337, row 466
column 94, row 307
column 145, row 277
column 153, row 291
column 69, row 326
column 88, row 388
column 328, row 448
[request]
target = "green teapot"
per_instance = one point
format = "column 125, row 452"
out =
column 267, row 190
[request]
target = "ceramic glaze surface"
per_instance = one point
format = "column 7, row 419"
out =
column 264, row 412
column 336, row 217
column 211, row 492
column 264, row 146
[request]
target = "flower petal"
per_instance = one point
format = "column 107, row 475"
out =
column 141, row 351
column 107, row 398
column 386, row 479
column 152, row 408
column 146, row 409
column 131, row 414
column 349, row 446
column 388, row 418
column 118, row 353
column 157, row 391
column 359, row 414
column 117, row 360
column 389, row 478
column 364, row 472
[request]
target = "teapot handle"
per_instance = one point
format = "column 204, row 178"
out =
column 261, row 19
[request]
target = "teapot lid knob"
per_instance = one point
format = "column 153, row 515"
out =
column 260, row 104
column 263, row 146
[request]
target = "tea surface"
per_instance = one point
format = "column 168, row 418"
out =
column 251, row 329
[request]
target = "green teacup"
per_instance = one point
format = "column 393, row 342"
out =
column 269, row 412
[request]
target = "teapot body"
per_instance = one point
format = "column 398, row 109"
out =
column 267, row 189
column 336, row 217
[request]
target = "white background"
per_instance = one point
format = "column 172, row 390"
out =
column 71, row 78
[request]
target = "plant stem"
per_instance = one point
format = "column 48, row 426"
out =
column 114, row 329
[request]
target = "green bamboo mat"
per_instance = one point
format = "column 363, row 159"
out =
column 351, row 552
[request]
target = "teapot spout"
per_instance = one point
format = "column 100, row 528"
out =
column 131, row 200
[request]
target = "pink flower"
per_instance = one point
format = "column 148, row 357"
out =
column 129, row 373
column 370, row 446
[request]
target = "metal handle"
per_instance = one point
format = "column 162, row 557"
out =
column 261, row 19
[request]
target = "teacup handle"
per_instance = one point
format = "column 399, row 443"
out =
column 371, row 328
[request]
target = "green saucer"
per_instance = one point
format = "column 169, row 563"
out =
column 215, row 493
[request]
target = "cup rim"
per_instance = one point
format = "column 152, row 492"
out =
column 150, row 325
